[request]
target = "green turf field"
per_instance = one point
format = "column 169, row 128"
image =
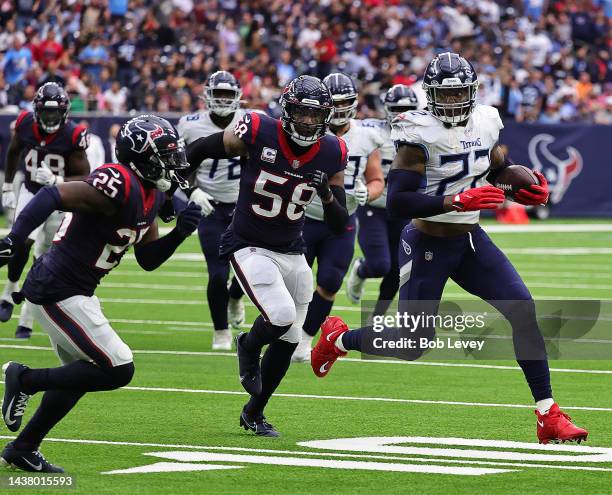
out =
column 469, row 428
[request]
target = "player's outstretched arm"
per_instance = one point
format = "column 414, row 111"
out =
column 405, row 178
column 152, row 251
column 12, row 161
column 375, row 179
column 223, row 144
column 333, row 198
column 71, row 196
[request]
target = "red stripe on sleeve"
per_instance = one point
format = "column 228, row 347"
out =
column 20, row 118
column 342, row 148
column 255, row 121
column 75, row 134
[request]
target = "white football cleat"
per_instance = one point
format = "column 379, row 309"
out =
column 302, row 351
column 354, row 283
column 235, row 313
column 222, row 340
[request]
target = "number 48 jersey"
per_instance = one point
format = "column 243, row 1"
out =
column 87, row 246
column 457, row 158
column 53, row 149
column 219, row 178
column 274, row 186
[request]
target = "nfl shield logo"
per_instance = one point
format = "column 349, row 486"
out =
column 295, row 164
column 428, row 255
column 406, row 247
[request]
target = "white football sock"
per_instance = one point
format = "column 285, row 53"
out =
column 26, row 318
column 544, row 405
column 9, row 288
column 339, row 345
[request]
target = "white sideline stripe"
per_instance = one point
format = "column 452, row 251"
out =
column 344, row 359
column 313, row 454
column 548, row 227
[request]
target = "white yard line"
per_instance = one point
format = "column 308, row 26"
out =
column 349, row 360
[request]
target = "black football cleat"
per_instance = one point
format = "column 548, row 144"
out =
column 258, row 425
column 33, row 462
column 248, row 367
column 15, row 399
column 6, row 310
column 23, row 332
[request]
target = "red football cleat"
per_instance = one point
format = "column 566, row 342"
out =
column 325, row 353
column 556, row 426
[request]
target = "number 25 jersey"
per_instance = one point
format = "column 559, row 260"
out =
column 87, row 246
column 274, row 186
column 457, row 158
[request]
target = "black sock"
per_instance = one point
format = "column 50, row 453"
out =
column 351, row 340
column 218, row 295
column 274, row 366
column 55, row 405
column 235, row 291
column 80, row 376
column 318, row 309
column 262, row 333
column 538, row 378
column 387, row 291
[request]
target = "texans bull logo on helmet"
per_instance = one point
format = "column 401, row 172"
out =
column 144, row 136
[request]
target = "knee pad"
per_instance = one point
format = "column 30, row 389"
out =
column 121, row 375
column 282, row 315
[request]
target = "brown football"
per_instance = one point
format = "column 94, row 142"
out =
column 513, row 178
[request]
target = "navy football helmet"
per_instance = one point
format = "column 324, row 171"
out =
column 451, row 84
column 307, row 109
column 399, row 99
column 51, row 106
column 222, row 93
column 151, row 147
column 344, row 95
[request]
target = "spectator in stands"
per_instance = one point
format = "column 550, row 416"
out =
column 17, row 60
column 115, row 99
column 49, row 50
column 93, row 57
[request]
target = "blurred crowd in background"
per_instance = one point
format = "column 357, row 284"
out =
column 538, row 60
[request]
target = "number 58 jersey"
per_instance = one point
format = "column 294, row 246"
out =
column 457, row 158
column 87, row 246
column 274, row 186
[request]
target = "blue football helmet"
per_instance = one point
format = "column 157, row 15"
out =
column 450, row 83
column 344, row 95
column 222, row 93
column 399, row 99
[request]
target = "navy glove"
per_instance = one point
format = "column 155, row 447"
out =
column 7, row 250
column 320, row 182
column 189, row 219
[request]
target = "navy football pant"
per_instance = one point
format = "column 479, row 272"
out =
column 333, row 253
column 475, row 263
column 379, row 236
column 209, row 231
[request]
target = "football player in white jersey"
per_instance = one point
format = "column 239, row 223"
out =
column 379, row 233
column 444, row 158
column 217, row 190
column 363, row 181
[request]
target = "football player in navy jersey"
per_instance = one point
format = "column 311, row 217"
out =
column 114, row 208
column 287, row 163
column 51, row 149
column 442, row 187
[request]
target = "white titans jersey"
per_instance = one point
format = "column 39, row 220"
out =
column 457, row 157
column 360, row 141
column 387, row 152
column 219, row 178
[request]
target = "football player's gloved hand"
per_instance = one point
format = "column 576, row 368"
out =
column 202, row 199
column 7, row 249
column 166, row 212
column 361, row 192
column 479, row 198
column 535, row 195
column 189, row 219
column 44, row 176
column 320, row 182
column 8, row 196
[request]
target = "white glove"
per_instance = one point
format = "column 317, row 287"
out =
column 8, row 195
column 44, row 176
column 360, row 192
column 203, row 199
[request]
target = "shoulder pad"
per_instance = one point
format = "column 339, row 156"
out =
column 112, row 180
column 376, row 123
column 489, row 113
column 417, row 118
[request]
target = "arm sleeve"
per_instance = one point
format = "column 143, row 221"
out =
column 404, row 202
column 45, row 202
column 153, row 254
column 335, row 213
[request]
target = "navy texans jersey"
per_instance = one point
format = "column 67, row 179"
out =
column 53, row 149
column 87, row 246
column 273, row 186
